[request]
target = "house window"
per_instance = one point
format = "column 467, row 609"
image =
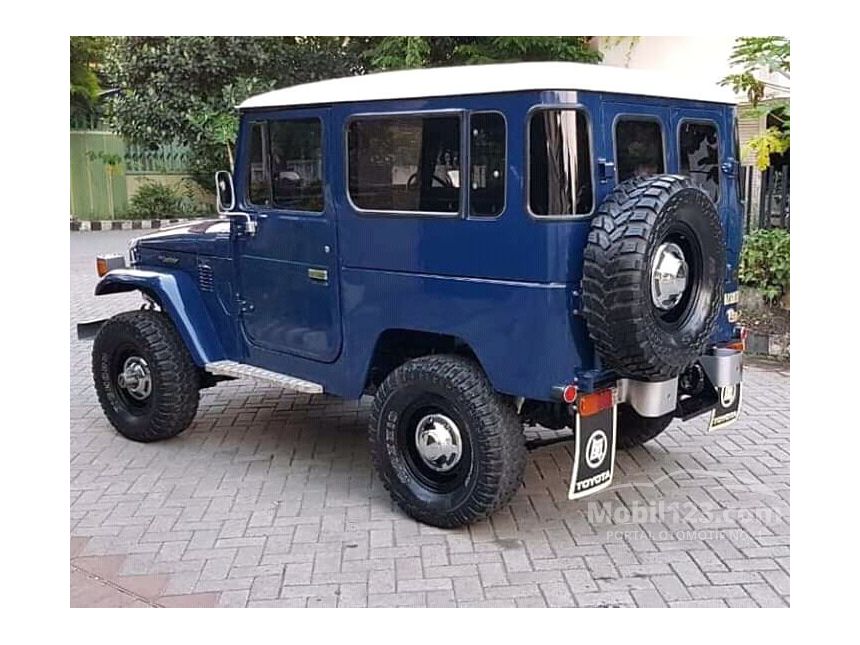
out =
column 405, row 164
column 559, row 164
column 487, row 164
column 699, row 156
column 638, row 148
column 285, row 165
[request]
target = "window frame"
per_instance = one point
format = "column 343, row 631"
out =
column 527, row 160
column 468, row 209
column 703, row 121
column 637, row 116
column 267, row 171
column 463, row 124
column 267, row 152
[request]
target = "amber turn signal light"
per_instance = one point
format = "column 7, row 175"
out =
column 595, row 402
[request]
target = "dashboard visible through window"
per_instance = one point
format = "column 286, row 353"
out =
column 285, row 169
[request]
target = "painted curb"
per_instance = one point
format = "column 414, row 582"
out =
column 125, row 224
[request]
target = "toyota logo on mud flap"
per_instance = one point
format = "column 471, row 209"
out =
column 596, row 448
column 727, row 395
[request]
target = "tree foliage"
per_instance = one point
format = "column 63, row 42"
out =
column 86, row 56
column 185, row 89
column 762, row 59
column 402, row 52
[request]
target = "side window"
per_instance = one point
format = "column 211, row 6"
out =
column 258, row 178
column 559, row 164
column 699, row 155
column 638, row 148
column 407, row 163
column 488, row 164
column 296, row 162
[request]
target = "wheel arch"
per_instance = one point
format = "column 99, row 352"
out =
column 395, row 346
column 178, row 296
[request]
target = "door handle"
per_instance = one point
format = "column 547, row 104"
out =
column 320, row 275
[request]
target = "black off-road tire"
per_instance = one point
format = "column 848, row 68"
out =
column 630, row 334
column 456, row 387
column 634, row 429
column 172, row 404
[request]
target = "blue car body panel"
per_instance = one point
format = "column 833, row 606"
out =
column 507, row 286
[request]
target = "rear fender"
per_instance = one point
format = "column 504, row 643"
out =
column 178, row 296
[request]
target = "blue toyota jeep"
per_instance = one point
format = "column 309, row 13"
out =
column 476, row 248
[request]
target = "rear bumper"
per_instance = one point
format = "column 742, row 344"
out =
column 722, row 367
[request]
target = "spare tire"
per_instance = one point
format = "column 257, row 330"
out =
column 653, row 276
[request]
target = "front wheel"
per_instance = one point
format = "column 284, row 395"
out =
column 146, row 382
column 447, row 447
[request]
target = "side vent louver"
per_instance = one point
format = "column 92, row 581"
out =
column 205, row 277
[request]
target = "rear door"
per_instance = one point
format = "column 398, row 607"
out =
column 288, row 269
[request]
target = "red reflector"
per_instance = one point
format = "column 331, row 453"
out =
column 595, row 402
column 568, row 395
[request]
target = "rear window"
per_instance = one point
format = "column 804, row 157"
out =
column 638, row 148
column 405, row 164
column 699, row 156
column 559, row 164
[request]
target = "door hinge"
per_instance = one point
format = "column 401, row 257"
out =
column 245, row 306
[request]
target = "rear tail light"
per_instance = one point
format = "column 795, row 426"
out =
column 740, row 343
column 595, row 402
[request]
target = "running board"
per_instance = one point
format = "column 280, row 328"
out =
column 242, row 370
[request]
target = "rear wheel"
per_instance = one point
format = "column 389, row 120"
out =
column 146, row 382
column 447, row 447
column 634, row 429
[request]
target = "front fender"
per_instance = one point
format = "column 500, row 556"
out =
column 179, row 297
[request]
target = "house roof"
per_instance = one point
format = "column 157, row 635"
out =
column 486, row 79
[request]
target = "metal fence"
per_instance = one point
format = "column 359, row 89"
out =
column 765, row 197
column 105, row 170
column 166, row 159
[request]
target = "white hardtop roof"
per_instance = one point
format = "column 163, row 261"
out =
column 487, row 79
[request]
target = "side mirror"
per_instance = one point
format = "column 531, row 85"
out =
column 227, row 201
column 225, row 191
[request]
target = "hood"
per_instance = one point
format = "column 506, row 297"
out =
column 204, row 237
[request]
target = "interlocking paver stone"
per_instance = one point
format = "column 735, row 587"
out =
column 269, row 499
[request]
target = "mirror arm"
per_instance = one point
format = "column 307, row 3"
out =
column 250, row 222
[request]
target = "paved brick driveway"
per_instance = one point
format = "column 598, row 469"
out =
column 269, row 499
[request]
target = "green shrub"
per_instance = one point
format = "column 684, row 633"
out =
column 765, row 262
column 155, row 200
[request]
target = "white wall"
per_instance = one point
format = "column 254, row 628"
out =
column 700, row 56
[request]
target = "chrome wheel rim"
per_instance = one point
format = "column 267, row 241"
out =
column 135, row 378
column 669, row 275
column 438, row 442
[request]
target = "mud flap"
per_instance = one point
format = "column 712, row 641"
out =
column 594, row 452
column 728, row 407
